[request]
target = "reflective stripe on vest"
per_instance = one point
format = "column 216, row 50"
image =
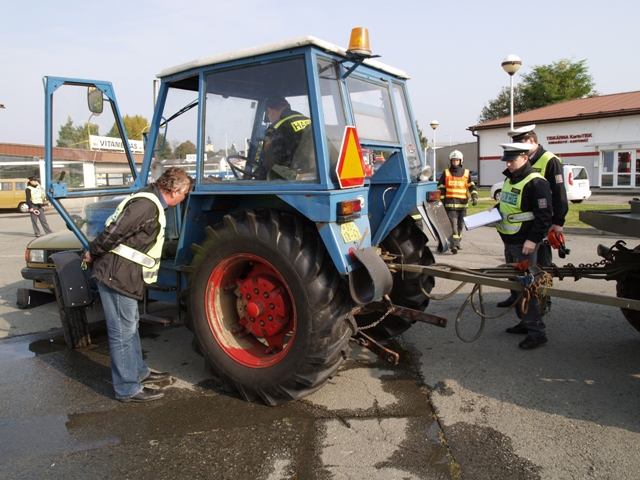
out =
column 456, row 187
column 297, row 126
column 541, row 164
column 149, row 261
column 37, row 194
column 511, row 205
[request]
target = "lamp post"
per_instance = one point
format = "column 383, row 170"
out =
column 434, row 124
column 226, row 152
column 511, row 64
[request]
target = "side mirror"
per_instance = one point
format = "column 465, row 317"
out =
column 95, row 100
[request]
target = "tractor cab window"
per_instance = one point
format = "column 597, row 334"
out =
column 371, row 106
column 258, row 124
column 332, row 108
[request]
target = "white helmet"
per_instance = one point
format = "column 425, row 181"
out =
column 456, row 154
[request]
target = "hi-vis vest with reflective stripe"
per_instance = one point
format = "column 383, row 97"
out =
column 150, row 261
column 296, row 125
column 510, row 205
column 456, row 187
column 37, row 194
column 541, row 164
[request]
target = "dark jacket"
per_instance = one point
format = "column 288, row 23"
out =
column 137, row 226
column 457, row 171
column 536, row 198
column 283, row 138
column 555, row 176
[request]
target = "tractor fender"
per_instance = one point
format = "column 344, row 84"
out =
column 373, row 280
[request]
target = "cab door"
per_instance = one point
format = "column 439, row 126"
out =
column 90, row 163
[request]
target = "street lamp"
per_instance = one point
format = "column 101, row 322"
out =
column 511, row 64
column 434, row 124
column 226, row 152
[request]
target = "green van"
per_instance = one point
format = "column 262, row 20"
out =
column 12, row 194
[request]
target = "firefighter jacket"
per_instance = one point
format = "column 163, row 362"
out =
column 454, row 184
column 550, row 167
column 282, row 139
column 138, row 225
column 525, row 206
column 35, row 195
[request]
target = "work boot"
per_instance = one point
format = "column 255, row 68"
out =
column 454, row 250
column 532, row 342
column 518, row 329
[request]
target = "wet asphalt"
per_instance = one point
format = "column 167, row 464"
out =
column 449, row 409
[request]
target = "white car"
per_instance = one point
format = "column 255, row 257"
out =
column 576, row 182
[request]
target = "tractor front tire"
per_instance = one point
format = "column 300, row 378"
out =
column 268, row 308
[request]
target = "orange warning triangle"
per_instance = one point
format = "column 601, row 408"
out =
column 350, row 168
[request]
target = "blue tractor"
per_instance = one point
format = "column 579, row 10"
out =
column 277, row 263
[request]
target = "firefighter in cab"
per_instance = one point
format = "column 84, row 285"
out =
column 455, row 189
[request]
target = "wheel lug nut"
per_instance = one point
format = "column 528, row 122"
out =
column 270, row 318
column 261, row 323
column 256, row 291
column 272, row 306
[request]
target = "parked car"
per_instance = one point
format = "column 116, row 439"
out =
column 474, row 177
column 12, row 194
column 576, row 182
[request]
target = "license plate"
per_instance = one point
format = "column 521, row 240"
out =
column 350, row 232
column 582, row 184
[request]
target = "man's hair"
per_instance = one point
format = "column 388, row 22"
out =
column 174, row 178
column 276, row 103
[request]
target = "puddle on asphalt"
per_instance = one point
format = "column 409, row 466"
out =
column 41, row 437
column 15, row 349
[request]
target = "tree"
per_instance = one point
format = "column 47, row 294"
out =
column 76, row 137
column 500, row 106
column 165, row 152
column 423, row 140
column 184, row 149
column 545, row 85
column 133, row 125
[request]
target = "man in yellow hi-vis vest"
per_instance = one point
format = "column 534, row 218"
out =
column 36, row 201
column 526, row 209
column 455, row 188
column 125, row 256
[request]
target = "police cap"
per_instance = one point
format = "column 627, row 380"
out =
column 514, row 150
column 518, row 134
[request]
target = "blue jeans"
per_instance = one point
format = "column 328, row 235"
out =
column 531, row 320
column 127, row 366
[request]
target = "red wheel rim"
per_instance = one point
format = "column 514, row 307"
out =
column 250, row 310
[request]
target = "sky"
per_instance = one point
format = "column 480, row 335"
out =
column 451, row 50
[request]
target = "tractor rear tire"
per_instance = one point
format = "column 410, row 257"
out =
column 268, row 309
column 408, row 241
column 629, row 287
column 74, row 320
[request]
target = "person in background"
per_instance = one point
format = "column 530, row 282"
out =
column 36, row 200
column 526, row 210
column 550, row 167
column 125, row 256
column 455, row 188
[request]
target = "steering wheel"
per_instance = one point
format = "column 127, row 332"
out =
column 248, row 168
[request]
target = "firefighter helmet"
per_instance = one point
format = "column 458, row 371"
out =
column 456, row 154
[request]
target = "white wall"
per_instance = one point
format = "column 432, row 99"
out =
column 576, row 142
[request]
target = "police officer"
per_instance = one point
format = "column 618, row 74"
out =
column 550, row 167
column 125, row 256
column 36, row 201
column 526, row 210
column 289, row 130
column 455, row 184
